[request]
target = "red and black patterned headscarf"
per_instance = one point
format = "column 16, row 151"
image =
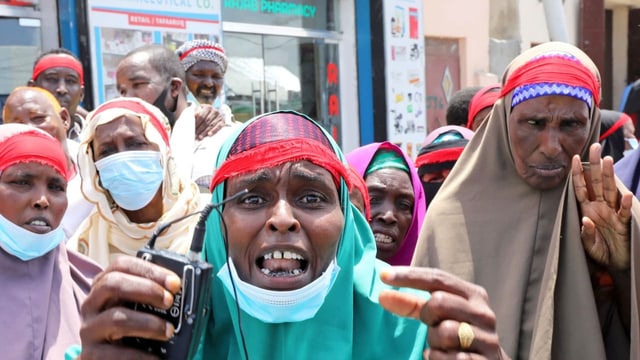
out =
column 277, row 138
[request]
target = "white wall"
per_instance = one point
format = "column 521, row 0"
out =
column 534, row 25
column 619, row 38
column 467, row 21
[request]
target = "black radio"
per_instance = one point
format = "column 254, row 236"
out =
column 191, row 305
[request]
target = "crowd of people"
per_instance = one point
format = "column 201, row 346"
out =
column 512, row 235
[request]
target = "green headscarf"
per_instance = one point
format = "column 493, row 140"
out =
column 386, row 159
column 351, row 324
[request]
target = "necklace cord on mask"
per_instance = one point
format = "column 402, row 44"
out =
column 233, row 285
column 198, row 241
column 198, row 233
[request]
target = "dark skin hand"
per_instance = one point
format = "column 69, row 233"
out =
column 105, row 318
column 606, row 219
column 209, row 121
column 453, row 301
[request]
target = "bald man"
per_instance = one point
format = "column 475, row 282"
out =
column 37, row 107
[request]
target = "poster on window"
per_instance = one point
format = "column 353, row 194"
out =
column 405, row 74
column 118, row 26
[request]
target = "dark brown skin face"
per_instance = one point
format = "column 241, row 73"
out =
column 283, row 233
column 34, row 196
column 391, row 199
column 126, row 134
column 545, row 133
column 63, row 83
column 205, row 80
column 33, row 108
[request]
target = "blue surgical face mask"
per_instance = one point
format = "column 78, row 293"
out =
column 633, row 143
column 131, row 177
column 272, row 306
column 27, row 245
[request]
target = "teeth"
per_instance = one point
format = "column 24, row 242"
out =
column 38, row 223
column 281, row 273
column 381, row 238
column 283, row 255
column 292, row 255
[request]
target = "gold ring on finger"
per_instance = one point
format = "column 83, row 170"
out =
column 465, row 335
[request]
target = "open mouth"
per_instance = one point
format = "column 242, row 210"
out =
column 282, row 264
column 38, row 225
column 383, row 239
column 207, row 92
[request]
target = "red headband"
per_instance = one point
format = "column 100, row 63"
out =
column 439, row 156
column 358, row 183
column 279, row 152
column 482, row 99
column 137, row 108
column 616, row 125
column 49, row 62
column 204, row 47
column 557, row 69
column 32, row 146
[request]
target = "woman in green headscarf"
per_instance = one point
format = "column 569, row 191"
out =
column 295, row 266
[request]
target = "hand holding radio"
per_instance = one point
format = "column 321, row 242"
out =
column 107, row 317
column 160, row 310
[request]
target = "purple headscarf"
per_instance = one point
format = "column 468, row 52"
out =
column 360, row 159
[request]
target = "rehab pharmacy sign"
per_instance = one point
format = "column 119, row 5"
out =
column 273, row 7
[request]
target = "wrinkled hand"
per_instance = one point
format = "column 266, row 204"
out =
column 606, row 216
column 105, row 318
column 209, row 121
column 453, row 301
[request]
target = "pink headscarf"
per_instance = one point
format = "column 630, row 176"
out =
column 360, row 159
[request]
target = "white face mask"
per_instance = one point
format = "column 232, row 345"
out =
column 27, row 245
column 272, row 306
column 633, row 143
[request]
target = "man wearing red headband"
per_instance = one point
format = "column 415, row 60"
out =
column 60, row 72
column 154, row 74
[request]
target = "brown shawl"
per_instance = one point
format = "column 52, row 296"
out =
column 523, row 245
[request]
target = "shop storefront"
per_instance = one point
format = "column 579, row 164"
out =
column 33, row 25
column 283, row 55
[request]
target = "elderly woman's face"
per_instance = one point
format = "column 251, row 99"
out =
column 34, row 196
column 285, row 231
column 122, row 134
column 545, row 133
column 391, row 199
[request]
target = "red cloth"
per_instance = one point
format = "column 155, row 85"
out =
column 49, row 62
column 279, row 152
column 33, row 146
column 561, row 69
column 138, row 109
column 484, row 98
column 620, row 122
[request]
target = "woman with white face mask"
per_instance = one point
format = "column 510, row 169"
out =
column 43, row 282
column 128, row 172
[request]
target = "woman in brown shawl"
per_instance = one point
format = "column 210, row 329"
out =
column 535, row 233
